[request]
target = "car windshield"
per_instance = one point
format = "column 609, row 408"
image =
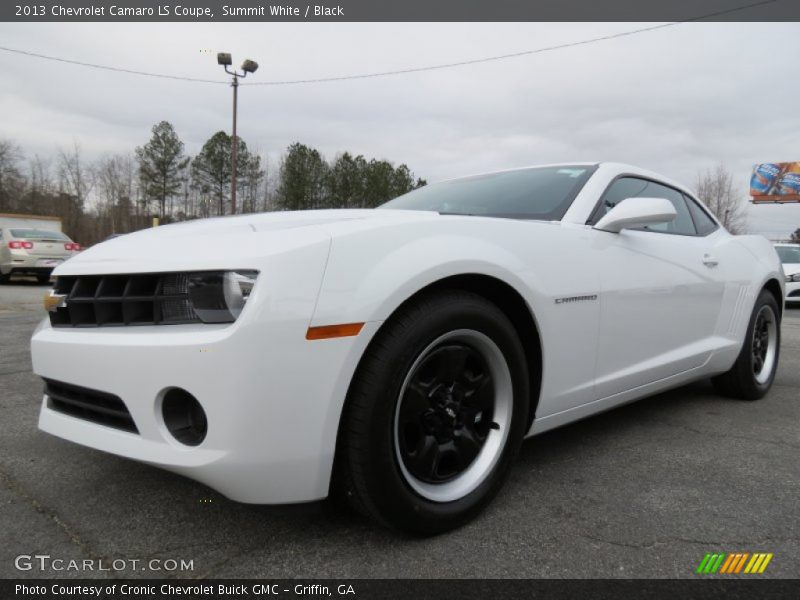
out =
column 789, row 254
column 38, row 234
column 541, row 193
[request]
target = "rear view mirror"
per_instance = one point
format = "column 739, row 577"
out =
column 637, row 212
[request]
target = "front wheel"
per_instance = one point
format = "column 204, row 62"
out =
column 752, row 374
column 435, row 414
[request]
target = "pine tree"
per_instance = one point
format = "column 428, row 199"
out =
column 211, row 168
column 161, row 165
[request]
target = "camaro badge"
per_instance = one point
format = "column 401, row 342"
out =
column 575, row 299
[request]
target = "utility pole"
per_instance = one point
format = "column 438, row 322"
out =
column 234, row 145
column 248, row 66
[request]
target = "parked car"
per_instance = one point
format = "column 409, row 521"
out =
column 398, row 357
column 25, row 251
column 790, row 257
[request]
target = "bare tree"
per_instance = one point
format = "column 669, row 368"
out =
column 116, row 176
column 76, row 178
column 39, row 198
column 269, row 187
column 251, row 181
column 715, row 188
column 40, row 180
column 75, row 182
column 12, row 182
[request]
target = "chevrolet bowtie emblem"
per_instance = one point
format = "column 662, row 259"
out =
column 53, row 301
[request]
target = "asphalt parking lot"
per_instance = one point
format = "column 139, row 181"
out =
column 642, row 491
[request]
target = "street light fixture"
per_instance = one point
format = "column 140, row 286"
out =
column 249, row 66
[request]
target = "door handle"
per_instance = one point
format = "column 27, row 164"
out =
column 709, row 260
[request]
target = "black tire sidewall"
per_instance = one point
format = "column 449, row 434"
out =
column 752, row 388
column 388, row 489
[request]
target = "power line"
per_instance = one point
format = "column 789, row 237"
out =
column 108, row 68
column 407, row 70
column 513, row 54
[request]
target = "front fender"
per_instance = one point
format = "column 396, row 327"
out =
column 362, row 288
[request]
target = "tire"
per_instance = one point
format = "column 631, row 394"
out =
column 5, row 278
column 43, row 279
column 435, row 415
column 752, row 374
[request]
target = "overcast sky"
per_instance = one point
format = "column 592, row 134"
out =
column 676, row 100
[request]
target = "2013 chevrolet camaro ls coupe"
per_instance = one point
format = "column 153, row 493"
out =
column 398, row 356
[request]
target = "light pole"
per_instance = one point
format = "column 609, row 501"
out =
column 248, row 66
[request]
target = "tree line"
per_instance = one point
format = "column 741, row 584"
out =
column 119, row 193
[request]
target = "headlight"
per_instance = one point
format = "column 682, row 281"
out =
column 220, row 296
column 793, row 278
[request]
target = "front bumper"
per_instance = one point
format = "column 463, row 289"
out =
column 272, row 399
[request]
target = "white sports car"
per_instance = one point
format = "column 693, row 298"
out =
column 399, row 356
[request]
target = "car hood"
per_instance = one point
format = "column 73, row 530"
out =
column 224, row 242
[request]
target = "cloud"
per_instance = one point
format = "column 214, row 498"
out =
column 676, row 100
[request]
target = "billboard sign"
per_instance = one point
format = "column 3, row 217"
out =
column 776, row 182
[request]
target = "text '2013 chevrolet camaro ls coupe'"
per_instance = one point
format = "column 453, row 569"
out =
column 398, row 356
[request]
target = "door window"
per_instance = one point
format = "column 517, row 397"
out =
column 702, row 222
column 633, row 187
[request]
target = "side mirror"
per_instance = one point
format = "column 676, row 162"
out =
column 637, row 212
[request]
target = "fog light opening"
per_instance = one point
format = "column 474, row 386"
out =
column 184, row 417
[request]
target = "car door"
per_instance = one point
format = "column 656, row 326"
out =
column 659, row 296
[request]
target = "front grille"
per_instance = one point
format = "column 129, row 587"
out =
column 118, row 300
column 98, row 407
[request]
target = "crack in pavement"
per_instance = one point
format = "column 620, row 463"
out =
column 14, row 486
column 620, row 544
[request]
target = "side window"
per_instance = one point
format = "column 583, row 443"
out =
column 633, row 187
column 621, row 189
column 702, row 222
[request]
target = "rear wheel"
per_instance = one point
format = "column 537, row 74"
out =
column 436, row 412
column 752, row 374
column 43, row 278
column 5, row 278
